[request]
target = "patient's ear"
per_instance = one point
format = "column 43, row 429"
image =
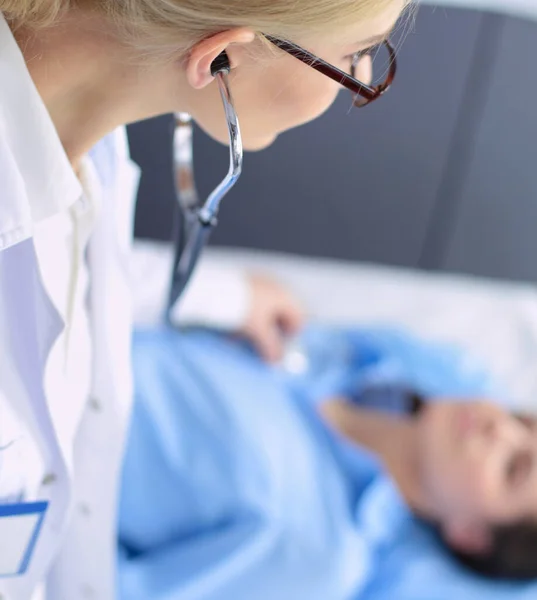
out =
column 470, row 538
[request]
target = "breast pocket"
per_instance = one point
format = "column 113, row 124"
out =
column 21, row 463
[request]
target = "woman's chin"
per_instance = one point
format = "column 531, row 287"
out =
column 249, row 143
column 255, row 144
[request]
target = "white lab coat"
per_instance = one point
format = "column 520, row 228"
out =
column 75, row 467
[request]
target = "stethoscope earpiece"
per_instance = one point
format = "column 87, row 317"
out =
column 220, row 64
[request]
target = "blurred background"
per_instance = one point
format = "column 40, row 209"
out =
column 440, row 174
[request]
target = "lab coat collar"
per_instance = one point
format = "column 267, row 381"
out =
column 38, row 180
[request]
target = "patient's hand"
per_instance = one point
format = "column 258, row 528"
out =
column 274, row 314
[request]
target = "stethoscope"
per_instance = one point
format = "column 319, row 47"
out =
column 194, row 221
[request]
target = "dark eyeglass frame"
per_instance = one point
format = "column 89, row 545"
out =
column 364, row 94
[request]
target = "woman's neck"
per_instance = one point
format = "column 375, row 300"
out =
column 90, row 82
column 391, row 438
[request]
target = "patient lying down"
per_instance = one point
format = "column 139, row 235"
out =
column 242, row 480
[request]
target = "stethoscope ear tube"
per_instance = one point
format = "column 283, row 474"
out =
column 194, row 223
column 197, row 239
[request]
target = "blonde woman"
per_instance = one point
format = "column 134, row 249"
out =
column 72, row 73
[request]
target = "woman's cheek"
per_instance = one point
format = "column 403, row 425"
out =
column 317, row 102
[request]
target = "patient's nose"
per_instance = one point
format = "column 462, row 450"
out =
column 503, row 429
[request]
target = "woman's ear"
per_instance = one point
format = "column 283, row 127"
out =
column 470, row 538
column 202, row 55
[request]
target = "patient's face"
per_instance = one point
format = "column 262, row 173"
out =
column 478, row 463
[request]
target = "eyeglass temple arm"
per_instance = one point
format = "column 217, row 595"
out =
column 331, row 71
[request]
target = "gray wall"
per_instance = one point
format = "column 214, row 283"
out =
column 441, row 173
column 495, row 229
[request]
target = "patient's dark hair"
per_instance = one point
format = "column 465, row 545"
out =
column 512, row 555
column 513, row 552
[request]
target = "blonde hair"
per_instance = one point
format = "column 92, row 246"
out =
column 172, row 26
column 35, row 13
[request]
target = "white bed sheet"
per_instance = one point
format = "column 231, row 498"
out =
column 496, row 321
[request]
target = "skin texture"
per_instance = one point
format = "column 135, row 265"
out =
column 91, row 83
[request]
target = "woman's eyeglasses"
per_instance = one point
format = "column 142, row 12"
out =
column 363, row 93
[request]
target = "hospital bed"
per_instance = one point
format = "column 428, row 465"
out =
column 496, row 322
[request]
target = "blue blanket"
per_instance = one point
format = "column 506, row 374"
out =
column 234, row 489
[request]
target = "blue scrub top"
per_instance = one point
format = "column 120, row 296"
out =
column 234, row 489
